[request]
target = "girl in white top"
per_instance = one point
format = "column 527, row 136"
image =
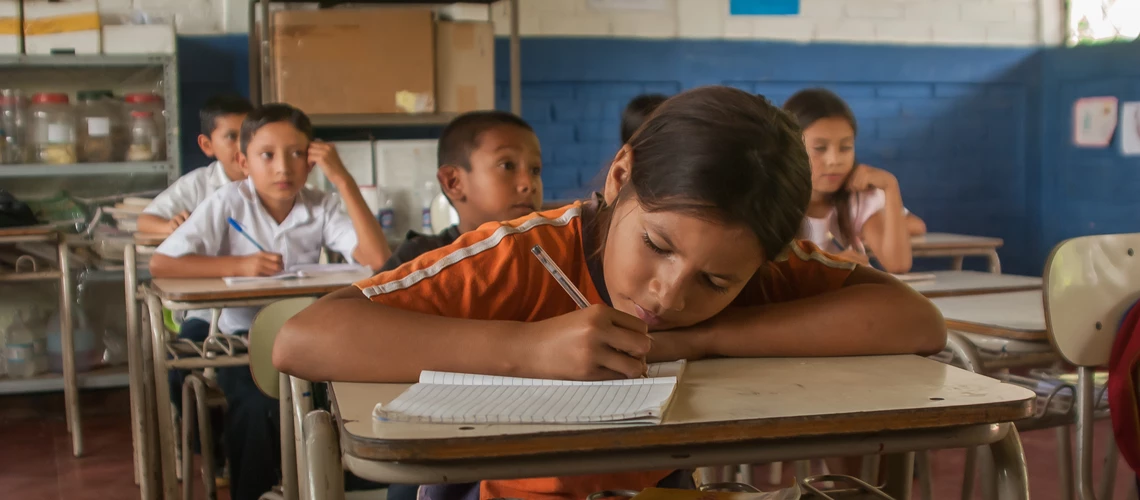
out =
column 853, row 208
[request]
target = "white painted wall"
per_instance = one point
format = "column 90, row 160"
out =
column 937, row 22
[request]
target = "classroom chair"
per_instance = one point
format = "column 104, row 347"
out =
column 1090, row 283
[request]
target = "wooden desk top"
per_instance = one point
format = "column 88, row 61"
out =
column 953, row 283
column 214, row 289
column 1016, row 315
column 149, row 239
column 947, row 241
column 718, row 401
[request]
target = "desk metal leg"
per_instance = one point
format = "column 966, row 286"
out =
column 162, row 398
column 900, row 475
column 67, row 334
column 326, row 476
column 956, row 262
column 134, row 365
column 925, row 475
column 288, row 444
column 1064, row 462
column 995, row 262
column 1107, row 487
column 1009, row 466
column 302, row 393
column 969, row 475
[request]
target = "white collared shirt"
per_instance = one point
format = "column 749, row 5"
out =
column 188, row 191
column 316, row 221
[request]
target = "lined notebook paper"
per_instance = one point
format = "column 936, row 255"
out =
column 299, row 271
column 462, row 398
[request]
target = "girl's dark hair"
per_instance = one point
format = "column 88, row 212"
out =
column 809, row 106
column 637, row 111
column 274, row 113
column 723, row 153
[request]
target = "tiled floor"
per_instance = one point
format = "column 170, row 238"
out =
column 36, row 461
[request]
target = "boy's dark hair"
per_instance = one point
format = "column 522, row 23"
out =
column 461, row 136
column 809, row 106
column 722, row 153
column 221, row 105
column 274, row 113
column 637, row 111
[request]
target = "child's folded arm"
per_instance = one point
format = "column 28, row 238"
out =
column 872, row 314
column 346, row 337
column 197, row 266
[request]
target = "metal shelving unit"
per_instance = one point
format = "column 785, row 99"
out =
column 116, row 72
column 261, row 62
column 99, row 378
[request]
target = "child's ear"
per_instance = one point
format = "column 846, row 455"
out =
column 206, row 146
column 243, row 163
column 618, row 175
column 451, row 182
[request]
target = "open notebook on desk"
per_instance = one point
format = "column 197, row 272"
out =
column 299, row 271
column 462, row 398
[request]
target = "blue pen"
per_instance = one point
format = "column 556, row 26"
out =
column 240, row 230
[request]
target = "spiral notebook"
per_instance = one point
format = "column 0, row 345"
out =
column 299, row 271
column 461, row 398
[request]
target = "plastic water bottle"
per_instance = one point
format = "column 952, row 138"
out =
column 20, row 349
column 386, row 213
column 426, row 199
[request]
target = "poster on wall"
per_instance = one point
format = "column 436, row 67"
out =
column 1130, row 129
column 764, row 7
column 1094, row 121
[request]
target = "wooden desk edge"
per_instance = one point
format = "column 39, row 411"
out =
column 937, row 294
column 245, row 293
column 642, row 437
column 1005, row 333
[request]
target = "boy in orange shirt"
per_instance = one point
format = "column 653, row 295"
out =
column 689, row 254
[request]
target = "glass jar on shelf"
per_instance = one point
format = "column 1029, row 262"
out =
column 145, row 141
column 13, row 123
column 53, row 128
column 97, row 114
column 148, row 101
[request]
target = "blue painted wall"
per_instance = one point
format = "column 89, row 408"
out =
column 970, row 132
column 1086, row 191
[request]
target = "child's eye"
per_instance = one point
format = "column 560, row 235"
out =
column 649, row 243
column 536, row 171
column 846, row 148
column 507, row 165
column 820, row 149
column 266, row 156
column 232, row 136
column 297, row 154
column 715, row 287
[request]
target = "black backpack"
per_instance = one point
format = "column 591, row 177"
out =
column 15, row 213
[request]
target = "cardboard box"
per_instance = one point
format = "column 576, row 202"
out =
column 62, row 27
column 465, row 66
column 138, row 39
column 348, row 61
column 9, row 27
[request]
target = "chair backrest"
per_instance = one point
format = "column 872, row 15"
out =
column 263, row 333
column 1090, row 283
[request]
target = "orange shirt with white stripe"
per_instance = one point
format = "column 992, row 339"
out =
column 490, row 274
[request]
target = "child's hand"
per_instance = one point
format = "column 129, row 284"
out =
column 596, row 343
column 261, row 264
column 865, row 177
column 852, row 255
column 177, row 220
column 324, row 155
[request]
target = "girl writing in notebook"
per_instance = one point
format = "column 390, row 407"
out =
column 688, row 253
column 853, row 208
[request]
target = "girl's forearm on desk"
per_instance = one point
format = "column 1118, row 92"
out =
column 193, row 266
column 386, row 344
column 862, row 319
column 153, row 224
column 889, row 236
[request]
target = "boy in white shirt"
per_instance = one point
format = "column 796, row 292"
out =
column 292, row 223
column 221, row 119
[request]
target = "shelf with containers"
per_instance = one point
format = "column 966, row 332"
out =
column 86, row 126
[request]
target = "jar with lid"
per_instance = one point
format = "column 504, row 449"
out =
column 13, row 126
column 145, row 142
column 146, row 101
column 97, row 114
column 53, row 128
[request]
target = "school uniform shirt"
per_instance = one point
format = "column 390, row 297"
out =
column 186, row 194
column 188, row 191
column 864, row 204
column 490, row 274
column 316, row 221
